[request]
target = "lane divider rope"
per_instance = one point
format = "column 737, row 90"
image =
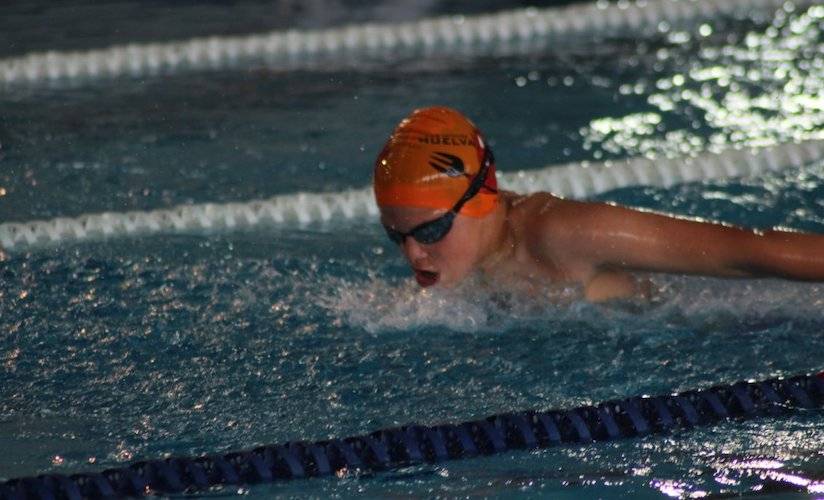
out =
column 416, row 444
column 577, row 180
column 489, row 34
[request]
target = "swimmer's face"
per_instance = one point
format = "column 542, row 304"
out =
column 445, row 262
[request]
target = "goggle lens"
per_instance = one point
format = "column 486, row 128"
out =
column 427, row 233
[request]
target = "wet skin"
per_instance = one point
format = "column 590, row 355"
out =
column 531, row 241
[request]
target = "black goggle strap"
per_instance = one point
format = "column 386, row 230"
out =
column 477, row 182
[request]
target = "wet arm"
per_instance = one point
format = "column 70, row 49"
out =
column 610, row 237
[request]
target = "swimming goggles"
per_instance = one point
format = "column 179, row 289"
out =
column 434, row 230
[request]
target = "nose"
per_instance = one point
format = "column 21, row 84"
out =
column 413, row 250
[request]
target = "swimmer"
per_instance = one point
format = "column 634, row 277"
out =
column 435, row 185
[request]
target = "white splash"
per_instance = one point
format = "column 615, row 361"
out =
column 381, row 304
column 707, row 299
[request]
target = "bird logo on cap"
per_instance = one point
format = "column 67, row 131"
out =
column 448, row 164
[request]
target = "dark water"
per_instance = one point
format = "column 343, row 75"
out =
column 132, row 349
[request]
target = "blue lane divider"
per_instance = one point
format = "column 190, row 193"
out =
column 411, row 444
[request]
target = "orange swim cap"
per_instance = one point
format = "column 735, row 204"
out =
column 430, row 160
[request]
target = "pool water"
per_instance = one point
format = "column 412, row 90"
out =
column 130, row 348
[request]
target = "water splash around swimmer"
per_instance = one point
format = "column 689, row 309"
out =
column 384, row 304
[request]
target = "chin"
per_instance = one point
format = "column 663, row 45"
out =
column 447, row 282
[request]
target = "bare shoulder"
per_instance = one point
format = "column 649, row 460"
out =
column 544, row 222
column 533, row 207
column 576, row 218
column 543, row 212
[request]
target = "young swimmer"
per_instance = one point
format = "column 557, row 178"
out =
column 436, row 189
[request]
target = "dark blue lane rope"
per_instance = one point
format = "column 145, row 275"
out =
column 411, row 444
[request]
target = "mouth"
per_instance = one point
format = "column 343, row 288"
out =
column 426, row 278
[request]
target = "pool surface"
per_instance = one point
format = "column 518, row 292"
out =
column 176, row 344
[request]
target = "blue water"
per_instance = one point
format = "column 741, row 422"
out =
column 137, row 348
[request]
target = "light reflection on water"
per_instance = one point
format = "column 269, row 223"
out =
column 709, row 91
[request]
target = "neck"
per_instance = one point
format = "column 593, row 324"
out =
column 499, row 240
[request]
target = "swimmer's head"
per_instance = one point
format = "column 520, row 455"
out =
column 430, row 161
column 435, row 186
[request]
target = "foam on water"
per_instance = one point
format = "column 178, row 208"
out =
column 392, row 304
column 710, row 299
column 399, row 304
